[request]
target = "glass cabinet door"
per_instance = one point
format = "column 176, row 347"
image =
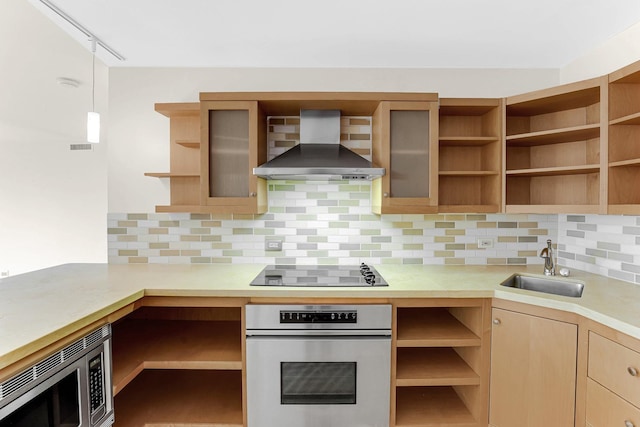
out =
column 228, row 153
column 233, row 143
column 407, row 145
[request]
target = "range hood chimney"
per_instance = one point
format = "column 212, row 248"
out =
column 319, row 156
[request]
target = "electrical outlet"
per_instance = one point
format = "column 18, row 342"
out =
column 273, row 245
column 485, row 242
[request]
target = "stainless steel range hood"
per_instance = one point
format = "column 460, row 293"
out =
column 319, row 154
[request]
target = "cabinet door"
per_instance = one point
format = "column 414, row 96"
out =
column 405, row 143
column 533, row 371
column 233, row 143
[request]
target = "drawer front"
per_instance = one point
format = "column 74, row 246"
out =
column 605, row 409
column 616, row 367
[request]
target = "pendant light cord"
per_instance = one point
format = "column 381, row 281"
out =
column 93, row 74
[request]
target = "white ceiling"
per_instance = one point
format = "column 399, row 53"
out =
column 348, row 33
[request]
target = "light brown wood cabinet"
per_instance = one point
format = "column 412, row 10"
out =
column 184, row 155
column 405, row 143
column 176, row 365
column 556, row 141
column 613, row 384
column 470, row 155
column 533, row 371
column 440, row 363
column 624, row 140
column 234, row 139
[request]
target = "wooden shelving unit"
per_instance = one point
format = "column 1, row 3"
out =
column 440, row 369
column 184, row 149
column 180, row 398
column 556, row 143
column 624, row 140
column 178, row 367
column 470, row 155
column 174, row 344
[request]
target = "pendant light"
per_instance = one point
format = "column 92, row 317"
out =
column 93, row 118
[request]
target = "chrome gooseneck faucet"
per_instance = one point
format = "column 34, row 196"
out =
column 547, row 254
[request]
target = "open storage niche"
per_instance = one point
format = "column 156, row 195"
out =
column 555, row 149
column 624, row 140
column 179, row 366
column 470, row 155
column 440, row 369
column 184, row 149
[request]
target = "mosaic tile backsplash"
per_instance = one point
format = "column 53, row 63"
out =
column 327, row 223
column 608, row 245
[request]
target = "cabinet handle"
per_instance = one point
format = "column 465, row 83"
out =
column 385, row 194
column 632, row 371
column 628, row 423
column 252, row 194
column 497, row 321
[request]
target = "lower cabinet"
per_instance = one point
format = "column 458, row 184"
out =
column 613, row 383
column 440, row 363
column 533, row 371
column 179, row 366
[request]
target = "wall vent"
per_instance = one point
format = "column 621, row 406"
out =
column 74, row 147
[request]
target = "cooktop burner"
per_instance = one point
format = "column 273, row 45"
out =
column 319, row 275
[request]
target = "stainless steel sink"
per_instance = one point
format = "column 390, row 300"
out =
column 567, row 288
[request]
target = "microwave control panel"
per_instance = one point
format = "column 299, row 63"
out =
column 318, row 316
column 96, row 382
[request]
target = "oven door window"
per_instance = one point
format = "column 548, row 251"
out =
column 318, row 383
column 57, row 406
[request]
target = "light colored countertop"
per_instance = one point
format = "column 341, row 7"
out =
column 39, row 308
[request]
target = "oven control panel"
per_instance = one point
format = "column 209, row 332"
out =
column 298, row 316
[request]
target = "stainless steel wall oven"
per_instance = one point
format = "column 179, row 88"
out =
column 70, row 388
column 318, row 365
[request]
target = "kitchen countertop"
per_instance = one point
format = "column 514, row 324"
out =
column 39, row 308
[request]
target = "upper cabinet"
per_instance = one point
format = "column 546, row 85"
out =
column 556, row 149
column 184, row 149
column 233, row 143
column 405, row 143
column 470, row 155
column 624, row 140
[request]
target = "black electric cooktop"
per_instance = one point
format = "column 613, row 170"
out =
column 319, row 275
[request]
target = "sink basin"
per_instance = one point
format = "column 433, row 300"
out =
column 547, row 285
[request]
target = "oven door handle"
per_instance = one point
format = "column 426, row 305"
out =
column 305, row 333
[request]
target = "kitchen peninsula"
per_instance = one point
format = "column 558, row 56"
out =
column 45, row 310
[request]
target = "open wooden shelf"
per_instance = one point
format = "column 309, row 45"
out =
column 560, row 170
column 432, row 407
column 546, row 208
column 624, row 141
column 433, row 367
column 432, row 327
column 470, row 135
column 171, row 175
column 188, row 143
column 631, row 119
column 477, row 208
column 466, row 141
column 555, row 136
column 468, row 173
column 560, row 98
column 173, row 344
column 625, row 163
column 171, row 398
column 554, row 144
column 178, row 109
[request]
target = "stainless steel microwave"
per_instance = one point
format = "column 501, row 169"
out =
column 70, row 388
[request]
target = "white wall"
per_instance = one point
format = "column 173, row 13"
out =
column 617, row 52
column 53, row 201
column 139, row 137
